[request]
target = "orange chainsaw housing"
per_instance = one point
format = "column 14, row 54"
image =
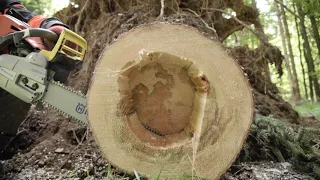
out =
column 10, row 24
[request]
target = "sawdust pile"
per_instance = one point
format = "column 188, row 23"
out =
column 102, row 22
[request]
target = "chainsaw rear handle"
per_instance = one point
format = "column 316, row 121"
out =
column 61, row 42
column 43, row 33
column 18, row 36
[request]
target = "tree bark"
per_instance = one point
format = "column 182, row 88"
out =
column 303, row 72
column 295, row 88
column 254, row 5
column 311, row 87
column 300, row 54
column 283, row 39
column 315, row 32
column 309, row 59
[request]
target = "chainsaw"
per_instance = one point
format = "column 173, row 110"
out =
column 36, row 74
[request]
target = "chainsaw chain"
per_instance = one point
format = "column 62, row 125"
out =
column 45, row 104
column 79, row 93
column 153, row 130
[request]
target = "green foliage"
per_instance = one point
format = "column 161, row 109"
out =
column 273, row 139
column 311, row 7
column 309, row 109
column 248, row 2
column 109, row 172
column 269, row 21
column 37, row 6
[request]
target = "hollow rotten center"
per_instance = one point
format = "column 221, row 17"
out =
column 162, row 97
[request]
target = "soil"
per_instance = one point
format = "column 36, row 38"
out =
column 72, row 153
column 61, row 148
column 264, row 170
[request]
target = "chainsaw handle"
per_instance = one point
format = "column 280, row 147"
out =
column 18, row 36
column 42, row 33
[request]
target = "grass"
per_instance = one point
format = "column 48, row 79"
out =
column 137, row 175
column 109, row 172
column 72, row 173
column 309, row 109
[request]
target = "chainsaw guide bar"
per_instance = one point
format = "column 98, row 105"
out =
column 71, row 104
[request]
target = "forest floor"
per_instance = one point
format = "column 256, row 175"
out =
column 56, row 148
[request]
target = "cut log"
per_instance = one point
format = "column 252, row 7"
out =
column 165, row 98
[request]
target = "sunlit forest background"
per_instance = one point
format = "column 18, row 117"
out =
column 291, row 25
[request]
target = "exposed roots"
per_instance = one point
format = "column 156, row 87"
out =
column 267, row 99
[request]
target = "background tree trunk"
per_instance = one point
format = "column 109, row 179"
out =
column 283, row 39
column 300, row 53
column 308, row 55
column 295, row 88
column 315, row 32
